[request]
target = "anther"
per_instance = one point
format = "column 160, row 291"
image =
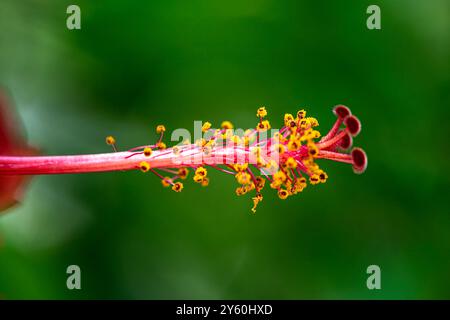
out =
column 291, row 163
column 261, row 112
column 301, row 114
column 147, row 151
column 283, row 194
column 183, row 173
column 201, row 171
column 110, row 140
column 161, row 145
column 177, row 187
column 314, row 178
column 144, row 166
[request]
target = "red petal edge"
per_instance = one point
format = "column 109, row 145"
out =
column 12, row 142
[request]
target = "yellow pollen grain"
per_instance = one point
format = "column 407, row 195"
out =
column 161, row 145
column 205, row 182
column 261, row 112
column 201, row 171
column 283, row 194
column 291, row 163
column 183, row 173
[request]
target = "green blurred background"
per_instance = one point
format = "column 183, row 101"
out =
column 135, row 64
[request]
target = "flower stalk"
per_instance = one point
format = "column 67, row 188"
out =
column 114, row 161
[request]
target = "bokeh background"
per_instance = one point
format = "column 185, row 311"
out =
column 135, row 64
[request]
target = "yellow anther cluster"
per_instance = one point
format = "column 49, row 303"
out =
column 288, row 118
column 260, row 182
column 298, row 185
column 291, row 163
column 301, row 114
column 243, row 177
column 290, row 186
column 317, row 176
column 244, row 189
column 240, row 167
column 294, row 145
column 310, row 134
column 200, row 176
column 297, row 147
column 313, row 122
column 279, row 178
column 161, row 145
